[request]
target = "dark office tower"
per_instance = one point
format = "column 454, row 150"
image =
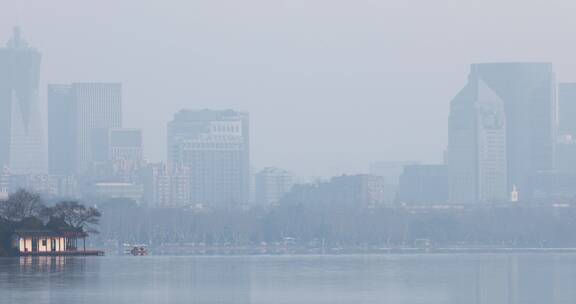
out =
column 214, row 146
column 21, row 136
column 88, row 111
column 529, row 94
column 61, row 131
column 567, row 109
column 477, row 145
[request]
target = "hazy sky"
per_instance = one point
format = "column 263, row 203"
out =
column 330, row 85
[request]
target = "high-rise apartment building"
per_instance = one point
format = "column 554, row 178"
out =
column 165, row 186
column 80, row 117
column 527, row 94
column 22, row 146
column 125, row 151
column 214, row 145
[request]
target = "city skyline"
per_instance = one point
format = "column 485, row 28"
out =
column 22, row 142
column 502, row 137
column 368, row 68
column 359, row 168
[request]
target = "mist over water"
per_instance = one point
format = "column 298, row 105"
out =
column 409, row 279
column 287, row 151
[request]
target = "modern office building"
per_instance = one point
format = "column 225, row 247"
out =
column 567, row 109
column 214, row 145
column 477, row 166
column 423, row 184
column 80, row 117
column 527, row 92
column 61, row 131
column 22, row 146
column 271, row 184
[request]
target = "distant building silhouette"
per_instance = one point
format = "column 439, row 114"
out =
column 118, row 190
column 527, row 93
column 214, row 145
column 391, row 172
column 566, row 154
column 271, row 185
column 61, row 131
column 359, row 191
column 89, row 110
column 567, row 109
column 125, row 151
column 477, row 145
column 165, row 186
column 22, row 146
column 423, row 184
column 4, row 183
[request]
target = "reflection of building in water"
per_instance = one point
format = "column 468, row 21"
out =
column 52, row 263
column 512, row 280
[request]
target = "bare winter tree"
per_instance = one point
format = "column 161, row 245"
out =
column 20, row 205
column 76, row 215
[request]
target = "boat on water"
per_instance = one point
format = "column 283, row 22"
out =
column 136, row 250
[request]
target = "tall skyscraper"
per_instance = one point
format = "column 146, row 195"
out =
column 214, row 145
column 80, row 117
column 22, row 146
column 61, row 131
column 567, row 109
column 527, row 92
column 477, row 166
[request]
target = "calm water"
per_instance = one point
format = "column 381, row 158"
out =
column 407, row 279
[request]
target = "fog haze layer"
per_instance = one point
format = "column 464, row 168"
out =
column 330, row 85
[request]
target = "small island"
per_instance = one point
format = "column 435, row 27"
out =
column 30, row 228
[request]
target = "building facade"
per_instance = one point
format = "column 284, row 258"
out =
column 528, row 92
column 165, row 186
column 271, row 184
column 423, row 184
column 477, row 158
column 22, row 146
column 567, row 109
column 125, row 150
column 61, row 131
column 4, row 183
column 214, row 146
column 89, row 110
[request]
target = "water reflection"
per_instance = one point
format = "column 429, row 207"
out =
column 452, row 279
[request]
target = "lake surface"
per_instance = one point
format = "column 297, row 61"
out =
column 406, row 279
